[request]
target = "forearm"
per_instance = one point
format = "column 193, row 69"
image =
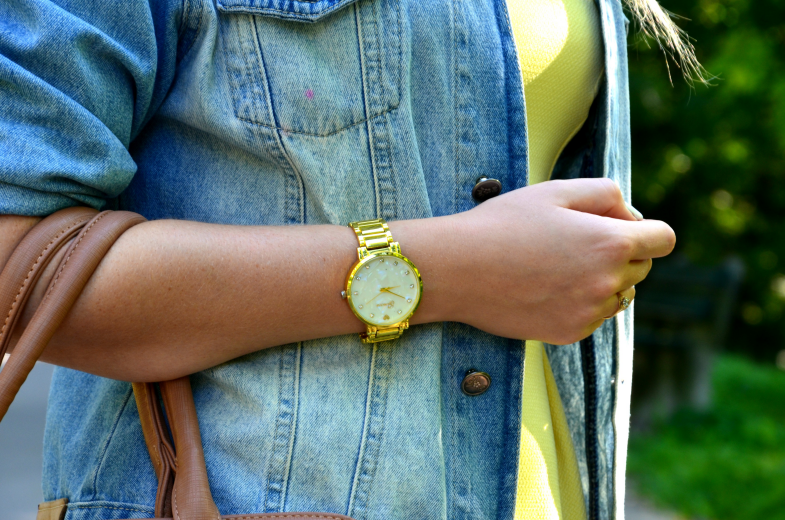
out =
column 175, row 297
column 545, row 262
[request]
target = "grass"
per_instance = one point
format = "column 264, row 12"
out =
column 724, row 464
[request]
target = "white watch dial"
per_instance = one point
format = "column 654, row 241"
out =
column 385, row 290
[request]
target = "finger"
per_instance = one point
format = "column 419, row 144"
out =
column 610, row 307
column 635, row 213
column 650, row 238
column 591, row 328
column 596, row 196
column 613, row 306
column 635, row 272
column 628, row 293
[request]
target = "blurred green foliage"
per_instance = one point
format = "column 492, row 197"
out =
column 711, row 161
column 724, row 464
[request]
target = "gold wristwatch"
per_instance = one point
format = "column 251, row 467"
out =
column 383, row 288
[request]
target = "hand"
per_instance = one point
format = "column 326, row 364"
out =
column 546, row 262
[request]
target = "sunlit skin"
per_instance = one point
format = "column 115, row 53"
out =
column 175, row 297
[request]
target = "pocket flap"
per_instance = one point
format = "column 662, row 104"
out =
column 300, row 10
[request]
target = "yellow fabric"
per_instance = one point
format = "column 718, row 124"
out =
column 549, row 482
column 560, row 54
column 560, row 49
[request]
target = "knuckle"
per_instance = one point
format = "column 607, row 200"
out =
column 618, row 247
column 624, row 247
column 551, row 188
column 612, row 188
column 604, row 287
column 647, row 267
column 642, row 272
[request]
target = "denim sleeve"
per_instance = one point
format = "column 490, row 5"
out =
column 78, row 81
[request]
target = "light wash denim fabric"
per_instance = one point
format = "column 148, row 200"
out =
column 301, row 112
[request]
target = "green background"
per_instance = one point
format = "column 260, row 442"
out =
column 710, row 161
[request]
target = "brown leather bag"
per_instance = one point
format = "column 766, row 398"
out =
column 183, row 489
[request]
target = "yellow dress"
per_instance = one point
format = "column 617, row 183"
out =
column 560, row 55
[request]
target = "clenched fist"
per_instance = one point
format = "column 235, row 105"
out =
column 546, row 262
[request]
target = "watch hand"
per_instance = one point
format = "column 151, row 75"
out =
column 390, row 292
column 372, row 299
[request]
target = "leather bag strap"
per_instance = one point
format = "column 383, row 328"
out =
column 161, row 451
column 183, row 488
column 28, row 261
column 191, row 491
column 95, row 233
column 77, row 266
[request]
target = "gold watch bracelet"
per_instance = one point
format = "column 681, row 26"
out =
column 374, row 235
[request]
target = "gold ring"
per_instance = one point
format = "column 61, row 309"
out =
column 624, row 302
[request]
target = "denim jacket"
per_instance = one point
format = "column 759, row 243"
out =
column 282, row 112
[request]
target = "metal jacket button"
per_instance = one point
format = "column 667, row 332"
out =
column 486, row 188
column 475, row 383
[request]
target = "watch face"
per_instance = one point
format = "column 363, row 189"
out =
column 384, row 290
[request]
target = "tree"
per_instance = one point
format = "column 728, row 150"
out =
column 710, row 161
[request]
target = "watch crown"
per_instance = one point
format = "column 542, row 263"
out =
column 343, row 295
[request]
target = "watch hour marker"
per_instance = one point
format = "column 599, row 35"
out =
column 371, row 315
column 359, row 306
column 399, row 311
column 407, row 272
column 386, row 317
column 356, row 293
column 411, row 286
column 395, row 263
column 357, row 278
column 381, row 260
column 367, row 266
column 408, row 300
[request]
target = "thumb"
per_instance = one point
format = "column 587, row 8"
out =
column 596, row 196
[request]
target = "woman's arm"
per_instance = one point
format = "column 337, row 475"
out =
column 175, row 297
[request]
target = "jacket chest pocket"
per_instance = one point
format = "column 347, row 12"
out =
column 312, row 67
